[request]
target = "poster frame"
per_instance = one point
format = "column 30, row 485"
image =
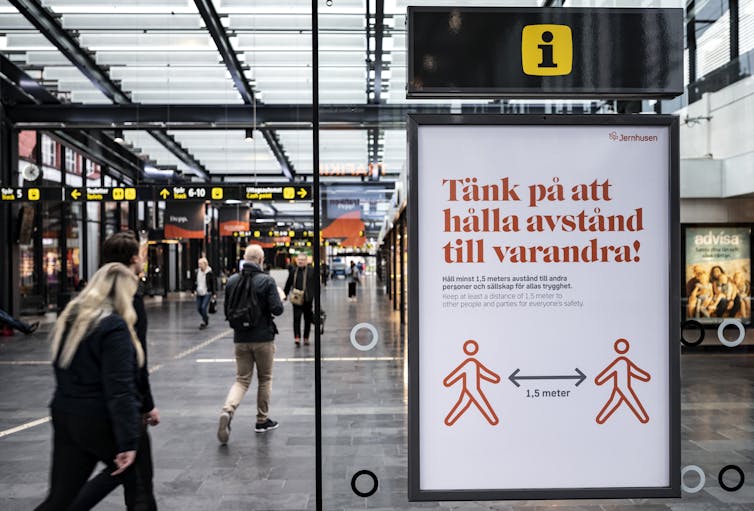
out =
column 673, row 490
column 682, row 289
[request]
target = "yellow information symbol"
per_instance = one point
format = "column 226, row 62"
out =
column 547, row 50
column 289, row 192
column 217, row 193
column 33, row 194
column 130, row 193
column 118, row 194
column 256, row 234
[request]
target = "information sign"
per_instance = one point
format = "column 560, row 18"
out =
column 544, row 322
column 544, row 52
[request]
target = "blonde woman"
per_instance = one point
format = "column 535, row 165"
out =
column 95, row 408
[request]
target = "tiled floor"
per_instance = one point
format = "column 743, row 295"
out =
column 364, row 420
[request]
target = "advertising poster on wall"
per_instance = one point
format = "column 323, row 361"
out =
column 184, row 220
column 717, row 273
column 544, row 325
column 233, row 219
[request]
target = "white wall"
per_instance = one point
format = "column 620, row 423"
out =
column 717, row 143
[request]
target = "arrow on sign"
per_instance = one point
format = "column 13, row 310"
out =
column 164, row 193
column 579, row 377
column 302, row 193
column 75, row 194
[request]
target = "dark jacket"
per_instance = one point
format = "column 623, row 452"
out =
column 296, row 280
column 142, row 378
column 101, row 381
column 211, row 282
column 267, row 296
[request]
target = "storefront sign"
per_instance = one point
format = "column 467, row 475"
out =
column 544, row 328
column 544, row 52
column 184, row 220
column 233, row 219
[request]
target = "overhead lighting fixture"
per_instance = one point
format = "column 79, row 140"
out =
column 119, row 136
column 249, row 135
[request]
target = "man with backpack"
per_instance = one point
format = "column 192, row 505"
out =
column 251, row 299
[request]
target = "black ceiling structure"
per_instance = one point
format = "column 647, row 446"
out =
column 176, row 117
column 220, row 36
column 50, row 27
column 18, row 89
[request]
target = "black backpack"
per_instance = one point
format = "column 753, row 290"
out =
column 242, row 309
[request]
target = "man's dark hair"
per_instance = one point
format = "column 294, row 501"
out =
column 121, row 247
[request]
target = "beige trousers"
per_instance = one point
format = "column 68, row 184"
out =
column 247, row 355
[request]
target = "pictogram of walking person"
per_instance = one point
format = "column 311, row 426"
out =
column 622, row 371
column 471, row 373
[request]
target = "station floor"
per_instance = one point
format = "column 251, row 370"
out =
column 364, row 419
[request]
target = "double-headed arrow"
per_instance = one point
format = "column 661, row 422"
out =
column 579, row 377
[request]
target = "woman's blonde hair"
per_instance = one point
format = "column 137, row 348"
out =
column 111, row 290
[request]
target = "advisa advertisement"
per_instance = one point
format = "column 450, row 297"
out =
column 544, row 342
column 717, row 274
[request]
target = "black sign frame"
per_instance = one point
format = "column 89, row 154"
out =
column 415, row 493
column 673, row 16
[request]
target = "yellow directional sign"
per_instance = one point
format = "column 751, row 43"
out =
column 164, row 193
column 75, row 194
column 301, row 193
column 10, row 194
column 289, row 192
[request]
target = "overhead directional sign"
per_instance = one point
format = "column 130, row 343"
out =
column 102, row 194
column 263, row 192
column 29, row 194
column 275, row 233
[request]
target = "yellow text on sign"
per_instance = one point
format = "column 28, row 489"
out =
column 547, row 50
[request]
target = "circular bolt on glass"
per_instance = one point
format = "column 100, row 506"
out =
column 369, row 474
column 741, row 333
column 372, row 343
column 699, row 485
column 741, row 478
column 689, row 324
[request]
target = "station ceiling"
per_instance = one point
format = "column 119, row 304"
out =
column 227, row 52
column 162, row 52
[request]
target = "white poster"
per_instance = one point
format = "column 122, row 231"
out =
column 544, row 307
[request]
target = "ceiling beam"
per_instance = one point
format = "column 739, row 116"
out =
column 17, row 87
column 49, row 26
column 193, row 117
column 197, row 117
column 379, row 27
column 220, row 36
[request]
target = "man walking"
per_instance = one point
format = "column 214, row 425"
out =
column 251, row 299
column 301, row 285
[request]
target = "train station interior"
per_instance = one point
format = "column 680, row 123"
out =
column 206, row 126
